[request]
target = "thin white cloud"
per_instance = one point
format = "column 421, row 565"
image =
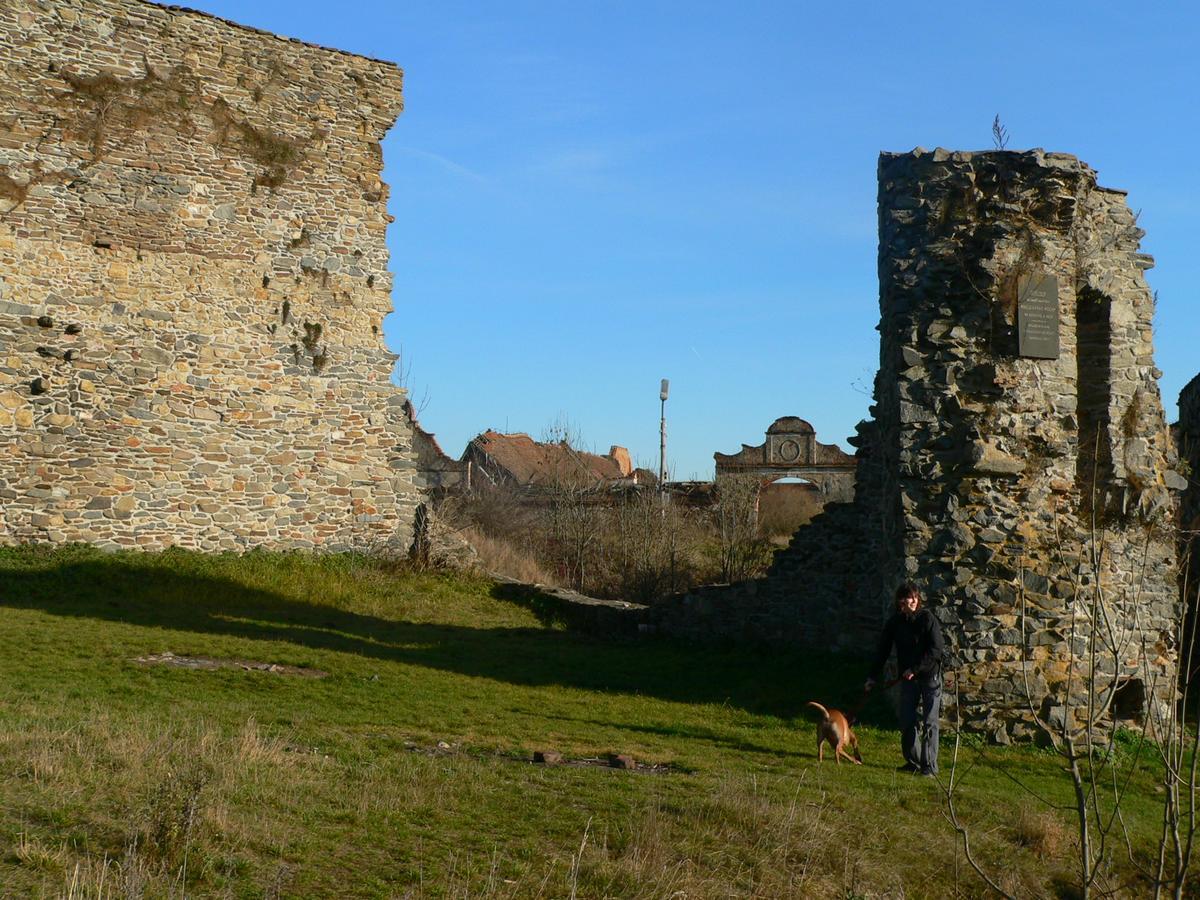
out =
column 447, row 164
column 575, row 162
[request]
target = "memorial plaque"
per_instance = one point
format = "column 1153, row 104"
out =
column 1037, row 317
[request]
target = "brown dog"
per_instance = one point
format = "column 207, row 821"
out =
column 835, row 728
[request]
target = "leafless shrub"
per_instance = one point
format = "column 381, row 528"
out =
column 574, row 521
column 492, row 511
column 735, row 516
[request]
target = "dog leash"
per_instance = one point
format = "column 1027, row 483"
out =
column 866, row 695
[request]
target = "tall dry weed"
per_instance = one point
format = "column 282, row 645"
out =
column 500, row 556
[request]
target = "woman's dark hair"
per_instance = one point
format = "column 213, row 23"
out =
column 908, row 589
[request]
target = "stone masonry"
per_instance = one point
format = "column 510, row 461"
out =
column 1007, row 486
column 193, row 282
column 1188, row 440
column 1187, row 435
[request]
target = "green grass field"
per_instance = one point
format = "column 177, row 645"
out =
column 406, row 771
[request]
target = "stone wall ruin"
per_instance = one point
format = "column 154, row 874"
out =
column 193, row 282
column 1018, row 453
column 1187, row 438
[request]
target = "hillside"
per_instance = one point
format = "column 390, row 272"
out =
column 394, row 759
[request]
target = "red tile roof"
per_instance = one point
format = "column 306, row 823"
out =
column 529, row 462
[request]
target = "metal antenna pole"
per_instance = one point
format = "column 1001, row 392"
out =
column 662, row 434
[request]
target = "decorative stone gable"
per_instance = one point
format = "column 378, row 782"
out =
column 791, row 450
column 193, row 282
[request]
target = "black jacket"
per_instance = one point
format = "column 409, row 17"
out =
column 918, row 642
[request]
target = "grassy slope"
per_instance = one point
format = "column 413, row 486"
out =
column 117, row 778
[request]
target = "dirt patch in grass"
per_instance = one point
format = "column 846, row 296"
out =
column 618, row 761
column 207, row 663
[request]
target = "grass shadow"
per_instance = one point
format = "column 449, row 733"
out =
column 191, row 593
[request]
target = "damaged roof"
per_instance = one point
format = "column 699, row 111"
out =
column 529, row 462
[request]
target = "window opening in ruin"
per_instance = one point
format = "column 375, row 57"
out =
column 1129, row 699
column 1094, row 468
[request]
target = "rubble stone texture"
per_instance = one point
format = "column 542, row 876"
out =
column 1188, row 437
column 982, row 472
column 1187, row 434
column 193, row 282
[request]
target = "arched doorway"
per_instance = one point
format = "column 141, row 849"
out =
column 785, row 504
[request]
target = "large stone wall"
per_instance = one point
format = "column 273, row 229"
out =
column 193, row 282
column 1006, row 486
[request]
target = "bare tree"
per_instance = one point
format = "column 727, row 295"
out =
column 1082, row 729
column 574, row 505
column 736, row 518
column 651, row 545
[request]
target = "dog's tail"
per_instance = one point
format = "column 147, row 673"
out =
column 815, row 705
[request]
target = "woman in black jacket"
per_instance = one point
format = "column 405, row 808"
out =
column 915, row 633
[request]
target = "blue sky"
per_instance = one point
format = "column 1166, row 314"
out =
column 593, row 196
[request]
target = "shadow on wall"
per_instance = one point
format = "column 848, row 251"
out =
column 160, row 597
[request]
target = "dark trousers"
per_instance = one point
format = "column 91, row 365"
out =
column 920, row 707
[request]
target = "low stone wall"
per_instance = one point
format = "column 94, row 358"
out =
column 605, row 618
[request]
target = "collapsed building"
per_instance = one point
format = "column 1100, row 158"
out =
column 193, row 283
column 494, row 459
column 1017, row 464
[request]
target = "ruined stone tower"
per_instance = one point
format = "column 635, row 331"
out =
column 193, row 282
column 1019, row 410
column 1018, row 454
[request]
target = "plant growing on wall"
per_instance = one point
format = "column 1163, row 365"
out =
column 101, row 105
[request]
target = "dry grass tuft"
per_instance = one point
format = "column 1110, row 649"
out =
column 1041, row 831
column 502, row 557
column 34, row 854
column 252, row 748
